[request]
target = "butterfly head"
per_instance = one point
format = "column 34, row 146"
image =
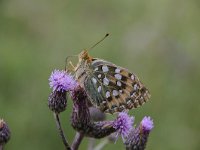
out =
column 85, row 56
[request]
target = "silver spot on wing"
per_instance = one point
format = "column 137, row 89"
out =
column 99, row 75
column 119, row 83
column 105, row 68
column 132, row 77
column 99, row 89
column 107, row 94
column 94, row 80
column 118, row 76
column 117, row 70
column 115, row 93
column 105, row 81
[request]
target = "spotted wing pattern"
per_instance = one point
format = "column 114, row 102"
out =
column 112, row 88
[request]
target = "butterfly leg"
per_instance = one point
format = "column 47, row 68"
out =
column 72, row 66
column 69, row 66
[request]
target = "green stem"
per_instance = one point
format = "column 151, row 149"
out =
column 1, row 147
column 58, row 124
column 101, row 145
column 77, row 140
column 91, row 144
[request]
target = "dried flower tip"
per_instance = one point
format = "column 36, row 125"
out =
column 96, row 114
column 123, row 124
column 61, row 81
column 57, row 101
column 147, row 124
column 4, row 132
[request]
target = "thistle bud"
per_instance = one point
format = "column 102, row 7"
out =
column 4, row 132
column 57, row 101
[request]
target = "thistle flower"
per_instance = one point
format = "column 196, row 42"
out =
column 147, row 124
column 138, row 137
column 4, row 132
column 123, row 124
column 61, row 81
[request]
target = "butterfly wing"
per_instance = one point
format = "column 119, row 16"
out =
column 112, row 88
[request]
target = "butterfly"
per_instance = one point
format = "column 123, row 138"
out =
column 109, row 87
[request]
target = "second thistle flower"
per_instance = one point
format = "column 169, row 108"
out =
column 138, row 137
column 124, row 124
column 60, row 82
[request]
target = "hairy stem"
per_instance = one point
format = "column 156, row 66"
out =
column 91, row 144
column 1, row 147
column 58, row 124
column 77, row 140
column 101, row 145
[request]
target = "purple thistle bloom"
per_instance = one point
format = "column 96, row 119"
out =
column 138, row 137
column 123, row 124
column 147, row 124
column 61, row 81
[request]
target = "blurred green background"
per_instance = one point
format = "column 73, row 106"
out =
column 159, row 40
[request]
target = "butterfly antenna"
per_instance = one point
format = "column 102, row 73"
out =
column 99, row 41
